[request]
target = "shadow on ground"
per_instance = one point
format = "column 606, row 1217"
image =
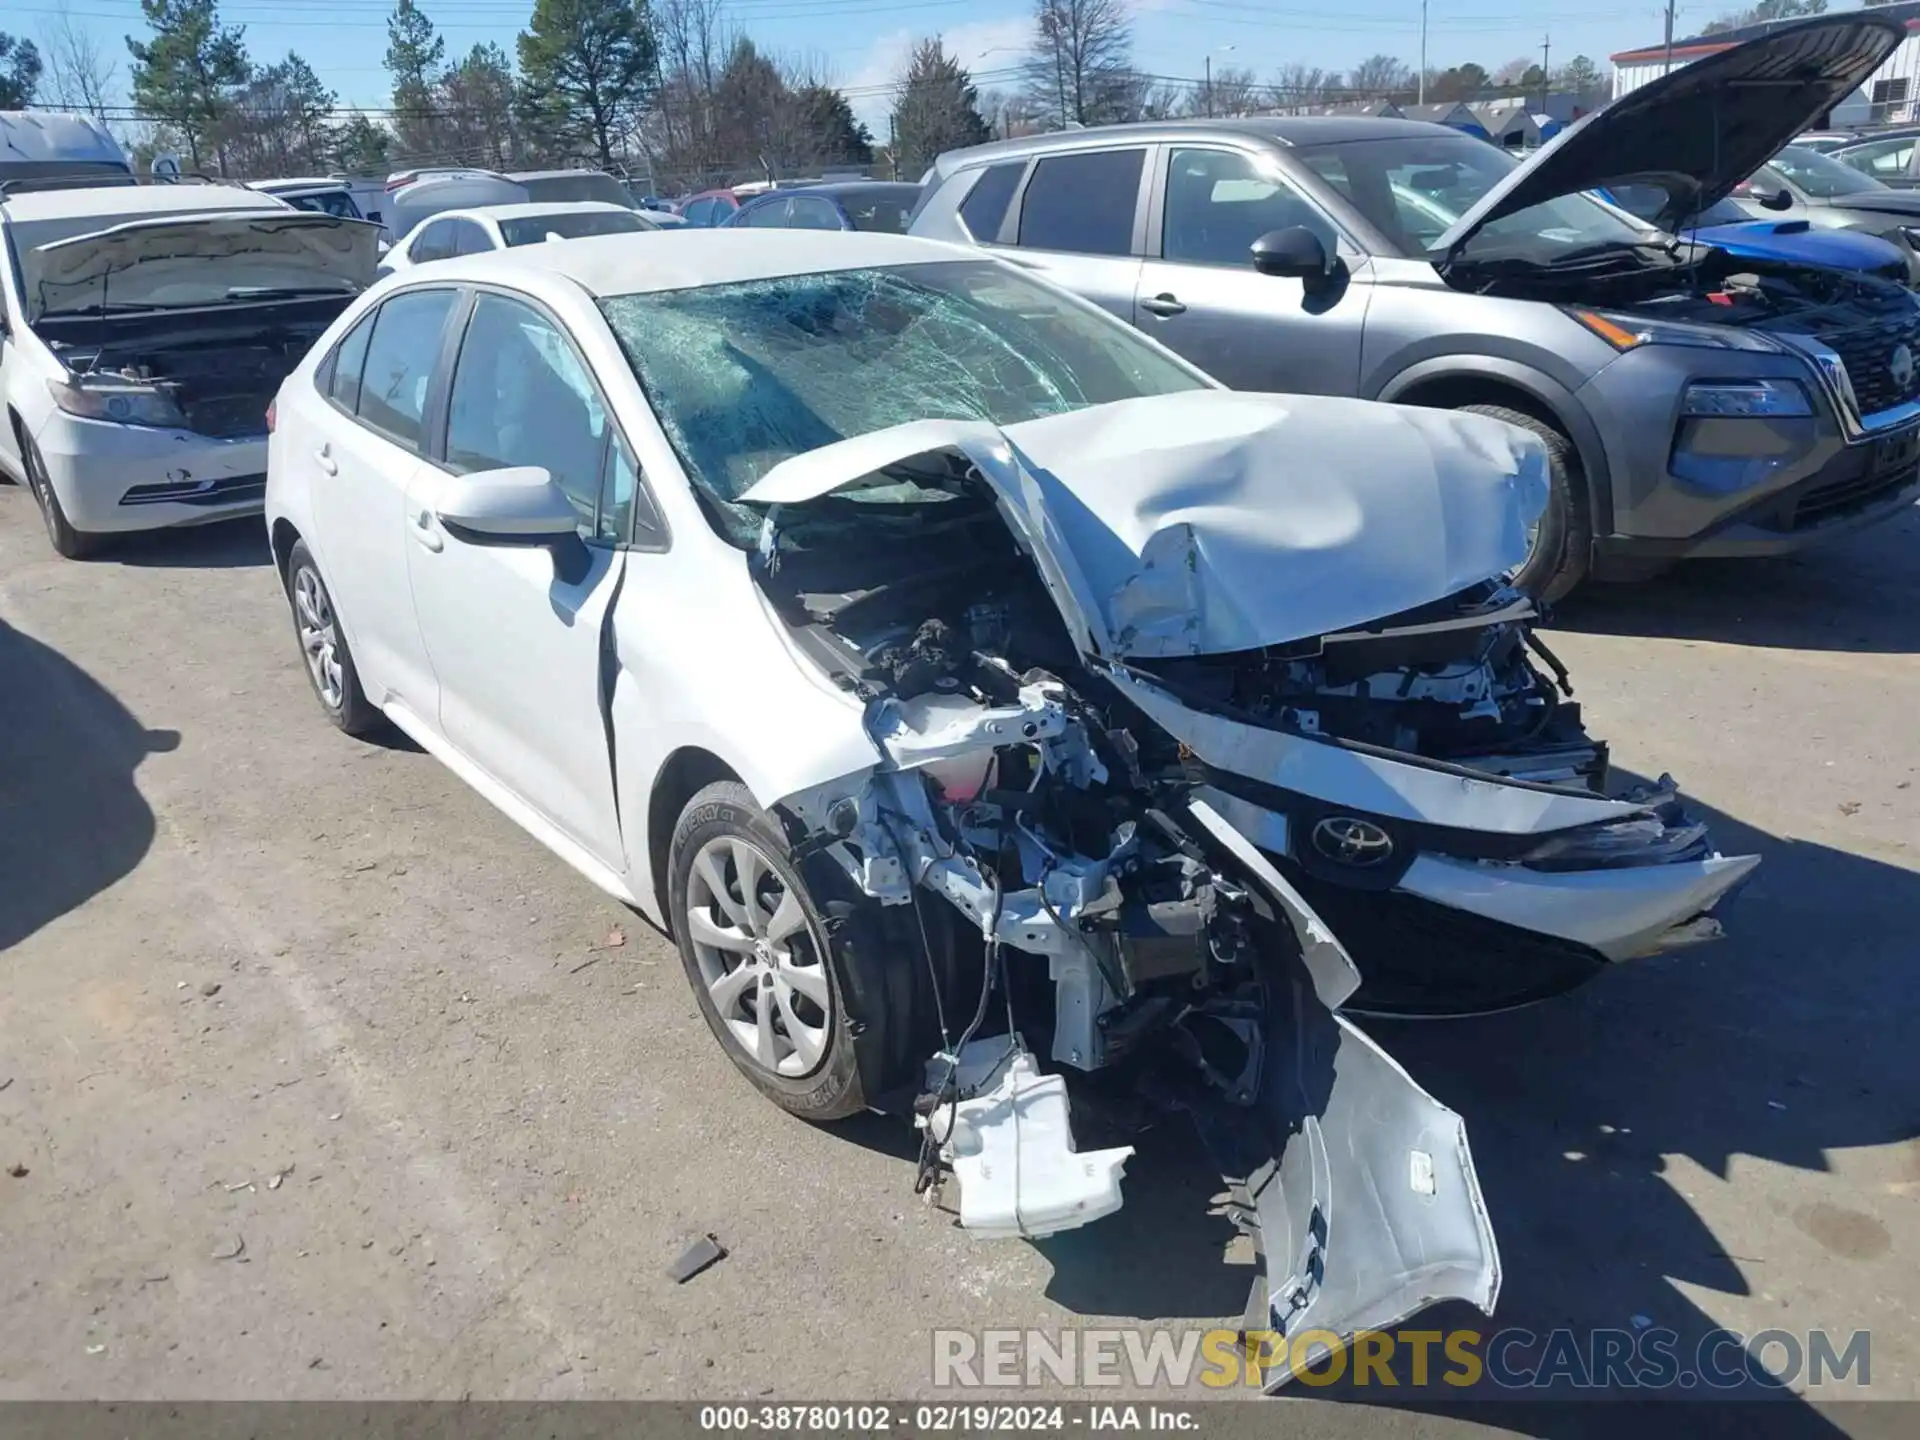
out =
column 1861, row 593
column 72, row 819
column 229, row 545
column 1787, row 1040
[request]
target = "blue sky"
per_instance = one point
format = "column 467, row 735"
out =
column 860, row 43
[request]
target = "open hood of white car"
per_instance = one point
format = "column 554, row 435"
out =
column 1212, row 521
column 164, row 262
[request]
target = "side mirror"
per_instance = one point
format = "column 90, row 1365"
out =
column 517, row 506
column 1773, row 199
column 1295, row 253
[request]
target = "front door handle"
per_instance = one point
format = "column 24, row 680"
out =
column 427, row 533
column 1163, row 306
column 324, row 460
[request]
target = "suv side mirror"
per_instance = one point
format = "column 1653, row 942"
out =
column 1772, row 199
column 1295, row 253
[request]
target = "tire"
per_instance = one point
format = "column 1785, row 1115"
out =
column 1563, row 545
column 68, row 542
column 803, row 1057
column 323, row 647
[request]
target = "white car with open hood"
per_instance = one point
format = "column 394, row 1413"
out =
column 976, row 692
column 143, row 331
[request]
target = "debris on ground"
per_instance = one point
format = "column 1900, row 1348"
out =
column 1849, row 807
column 6, row 1082
column 590, row 960
column 704, row 1252
column 278, row 1178
column 210, row 989
column 17, row 1171
column 232, row 1249
column 616, row 937
column 96, row 1349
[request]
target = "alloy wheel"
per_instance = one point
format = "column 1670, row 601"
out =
column 319, row 636
column 761, row 959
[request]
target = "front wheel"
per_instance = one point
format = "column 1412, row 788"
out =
column 323, row 647
column 759, row 956
column 68, row 542
column 1561, row 545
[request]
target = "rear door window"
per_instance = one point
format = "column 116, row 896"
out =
column 435, row 242
column 1083, row 203
column 697, row 212
column 986, row 204
column 469, row 238
column 349, row 359
column 770, row 216
column 812, row 213
column 400, row 359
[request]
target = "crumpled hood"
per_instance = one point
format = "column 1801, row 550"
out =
column 1702, row 129
column 1213, row 521
column 165, row 260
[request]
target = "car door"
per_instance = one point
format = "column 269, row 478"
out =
column 1199, row 294
column 515, row 631
column 363, row 461
column 1078, row 221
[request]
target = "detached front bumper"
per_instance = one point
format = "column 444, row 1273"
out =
column 114, row 478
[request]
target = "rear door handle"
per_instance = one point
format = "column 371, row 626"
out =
column 427, row 533
column 1163, row 305
column 325, row 461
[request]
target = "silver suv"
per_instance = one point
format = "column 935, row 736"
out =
column 1693, row 403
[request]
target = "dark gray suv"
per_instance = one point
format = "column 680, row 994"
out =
column 1693, row 403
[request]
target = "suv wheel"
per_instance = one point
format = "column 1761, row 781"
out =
column 765, row 972
column 1562, row 545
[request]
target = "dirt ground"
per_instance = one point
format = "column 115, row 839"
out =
column 320, row 1079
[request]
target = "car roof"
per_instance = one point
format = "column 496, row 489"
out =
column 530, row 209
column 682, row 259
column 1283, row 129
column 1890, row 132
column 299, row 182
column 842, row 187
column 126, row 202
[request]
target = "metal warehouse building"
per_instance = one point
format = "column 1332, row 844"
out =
column 1890, row 96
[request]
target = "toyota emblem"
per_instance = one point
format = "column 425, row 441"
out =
column 1351, row 841
column 1900, row 366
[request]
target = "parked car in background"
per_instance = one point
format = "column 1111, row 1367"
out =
column 143, row 332
column 1747, row 232
column 1802, row 184
column 1683, row 418
column 1825, row 140
column 40, row 145
column 551, row 185
column 1889, row 156
column 328, row 197
column 431, row 195
column 505, row 227
column 881, row 205
column 708, row 208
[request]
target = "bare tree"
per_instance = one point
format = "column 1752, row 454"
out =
column 79, row 74
column 1233, row 90
column 1079, row 65
column 1300, row 87
column 681, row 133
column 1380, row 77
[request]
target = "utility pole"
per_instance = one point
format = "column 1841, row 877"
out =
column 1546, row 71
column 1209, row 84
column 1423, row 54
column 1667, row 67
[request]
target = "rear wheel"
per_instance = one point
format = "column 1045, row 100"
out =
column 758, row 954
column 67, row 541
column 1561, row 545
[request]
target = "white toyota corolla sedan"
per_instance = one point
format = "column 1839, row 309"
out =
column 983, row 698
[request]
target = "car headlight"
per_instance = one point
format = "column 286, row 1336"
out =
column 123, row 402
column 1644, row 840
column 1759, row 399
column 1630, row 332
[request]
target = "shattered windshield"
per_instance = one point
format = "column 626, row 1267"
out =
column 747, row 374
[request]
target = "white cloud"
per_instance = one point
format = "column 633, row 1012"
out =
column 981, row 47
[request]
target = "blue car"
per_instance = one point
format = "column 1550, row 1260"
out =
column 1728, row 226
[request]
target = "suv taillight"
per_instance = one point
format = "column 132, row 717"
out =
column 270, row 415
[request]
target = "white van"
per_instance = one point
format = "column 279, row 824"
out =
column 36, row 145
